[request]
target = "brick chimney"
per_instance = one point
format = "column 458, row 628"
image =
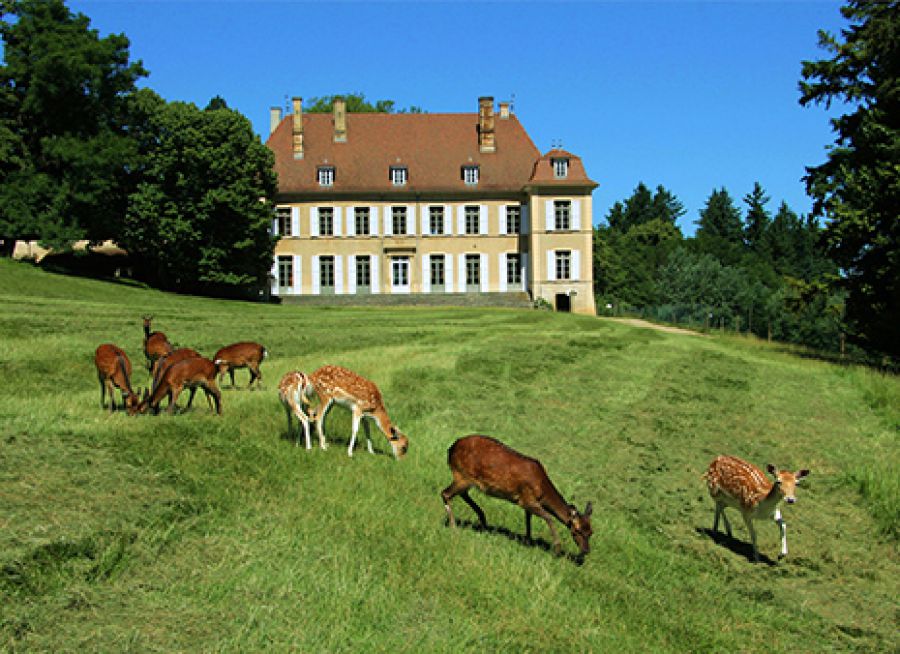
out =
column 297, row 128
column 486, row 141
column 340, row 120
column 504, row 111
column 274, row 119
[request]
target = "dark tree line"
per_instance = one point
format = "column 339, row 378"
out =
column 85, row 154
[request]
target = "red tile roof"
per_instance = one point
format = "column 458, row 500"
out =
column 433, row 147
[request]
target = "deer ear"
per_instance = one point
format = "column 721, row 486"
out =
column 800, row 475
column 772, row 469
column 588, row 510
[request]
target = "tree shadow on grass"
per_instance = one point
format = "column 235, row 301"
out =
column 739, row 547
column 539, row 543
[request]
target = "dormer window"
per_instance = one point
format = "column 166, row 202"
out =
column 470, row 174
column 326, row 175
column 560, row 168
column 398, row 175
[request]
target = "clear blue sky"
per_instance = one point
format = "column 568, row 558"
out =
column 690, row 95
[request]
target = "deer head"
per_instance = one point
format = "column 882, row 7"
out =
column 786, row 481
column 399, row 443
column 580, row 526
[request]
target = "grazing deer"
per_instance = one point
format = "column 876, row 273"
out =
column 155, row 344
column 337, row 385
column 736, row 483
column 189, row 373
column 294, row 390
column 502, row 472
column 168, row 360
column 242, row 355
column 114, row 371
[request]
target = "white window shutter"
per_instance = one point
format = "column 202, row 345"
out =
column 275, row 275
column 275, row 227
column 388, row 221
column 351, row 274
column 448, row 272
column 411, row 220
column 482, row 219
column 525, row 222
column 576, row 265
column 576, row 215
column 298, row 279
column 448, row 222
column 461, row 273
column 316, row 288
column 373, row 221
column 504, row 229
column 461, row 220
column 551, row 266
column 314, row 221
column 549, row 215
column 376, row 279
column 503, row 270
column 426, row 228
column 295, row 221
column 426, row 274
column 351, row 221
column 484, row 273
column 338, row 274
column 523, row 258
column 338, row 220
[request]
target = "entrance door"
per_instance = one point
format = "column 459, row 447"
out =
column 563, row 302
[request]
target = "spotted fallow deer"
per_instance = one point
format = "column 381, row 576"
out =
column 242, row 355
column 500, row 471
column 294, row 391
column 733, row 482
column 337, row 385
column 155, row 344
column 114, row 371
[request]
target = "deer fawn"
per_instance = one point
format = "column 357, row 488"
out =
column 736, row 483
column 242, row 355
column 500, row 471
column 155, row 344
column 114, row 371
column 294, row 390
column 337, row 385
column 189, row 373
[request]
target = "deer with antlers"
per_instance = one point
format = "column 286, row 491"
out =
column 294, row 391
column 114, row 371
column 735, row 483
column 155, row 344
column 337, row 385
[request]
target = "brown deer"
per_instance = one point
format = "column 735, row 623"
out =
column 733, row 482
column 166, row 361
column 189, row 373
column 114, row 371
column 294, row 391
column 242, row 355
column 502, row 472
column 337, row 385
column 155, row 344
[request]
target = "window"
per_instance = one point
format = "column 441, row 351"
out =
column 563, row 264
column 560, row 168
column 326, row 221
column 363, row 274
column 285, row 272
column 513, row 219
column 473, row 272
column 326, row 275
column 513, row 269
column 473, row 219
column 436, row 220
column 400, row 271
column 361, row 218
column 398, row 175
column 470, row 174
column 326, row 175
column 563, row 214
column 283, row 218
column 398, row 219
column 437, row 272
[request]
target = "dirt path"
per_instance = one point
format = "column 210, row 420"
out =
column 637, row 322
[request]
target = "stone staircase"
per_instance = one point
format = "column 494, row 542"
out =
column 518, row 300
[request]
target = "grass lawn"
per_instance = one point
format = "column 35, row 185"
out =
column 202, row 533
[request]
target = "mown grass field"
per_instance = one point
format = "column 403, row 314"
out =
column 217, row 534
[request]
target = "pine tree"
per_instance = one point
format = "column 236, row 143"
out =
column 720, row 231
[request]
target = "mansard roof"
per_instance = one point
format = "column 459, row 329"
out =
column 433, row 147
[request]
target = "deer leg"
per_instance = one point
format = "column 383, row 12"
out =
column 557, row 546
column 212, row 389
column 783, row 528
column 288, row 412
column 365, row 424
column 357, row 418
column 749, row 522
column 321, row 422
column 112, row 395
column 477, row 509
column 528, row 525
column 720, row 511
column 305, row 420
column 173, row 398
column 231, row 375
column 254, row 375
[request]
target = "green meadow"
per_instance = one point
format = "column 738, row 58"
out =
column 198, row 533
